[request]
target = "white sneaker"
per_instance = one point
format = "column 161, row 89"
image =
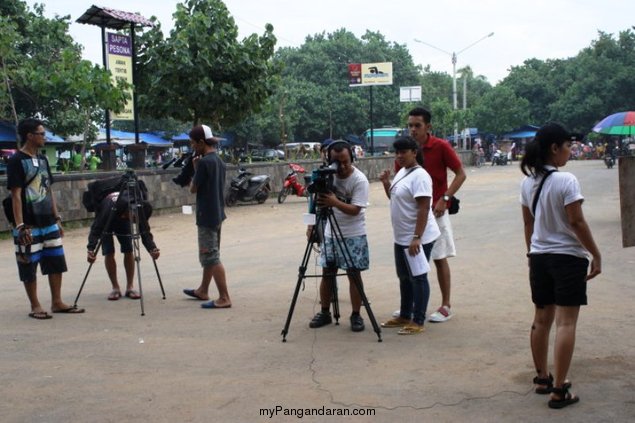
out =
column 443, row 314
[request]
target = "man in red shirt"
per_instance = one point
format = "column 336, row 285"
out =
column 438, row 157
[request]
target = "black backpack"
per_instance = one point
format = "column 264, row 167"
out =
column 99, row 189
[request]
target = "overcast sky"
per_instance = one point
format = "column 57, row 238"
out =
column 523, row 29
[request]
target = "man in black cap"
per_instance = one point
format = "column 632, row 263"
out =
column 208, row 184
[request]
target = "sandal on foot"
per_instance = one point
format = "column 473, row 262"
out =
column 70, row 310
column 114, row 295
column 545, row 384
column 566, row 397
column 40, row 315
column 397, row 322
column 132, row 294
column 411, row 329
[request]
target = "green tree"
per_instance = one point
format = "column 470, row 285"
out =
column 201, row 72
column 45, row 75
column 501, row 110
column 318, row 102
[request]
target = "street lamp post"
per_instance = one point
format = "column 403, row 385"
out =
column 454, row 55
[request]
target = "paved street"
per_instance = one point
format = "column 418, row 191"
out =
column 179, row 363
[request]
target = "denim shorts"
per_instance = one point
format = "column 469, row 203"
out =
column 558, row 279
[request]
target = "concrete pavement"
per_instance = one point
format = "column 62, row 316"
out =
column 182, row 363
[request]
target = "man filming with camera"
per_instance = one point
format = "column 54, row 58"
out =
column 348, row 199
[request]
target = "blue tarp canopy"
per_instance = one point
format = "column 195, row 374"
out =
column 184, row 138
column 525, row 131
column 126, row 138
column 7, row 136
column 473, row 133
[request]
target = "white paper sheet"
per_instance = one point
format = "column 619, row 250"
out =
column 418, row 264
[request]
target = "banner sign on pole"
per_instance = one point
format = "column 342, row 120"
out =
column 365, row 74
column 409, row 94
column 120, row 66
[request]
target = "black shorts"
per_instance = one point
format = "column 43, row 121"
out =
column 558, row 279
column 121, row 228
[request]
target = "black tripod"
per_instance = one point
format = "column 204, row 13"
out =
column 130, row 189
column 324, row 215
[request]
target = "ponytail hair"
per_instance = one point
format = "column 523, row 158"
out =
column 537, row 151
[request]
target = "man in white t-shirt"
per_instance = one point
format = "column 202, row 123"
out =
column 348, row 202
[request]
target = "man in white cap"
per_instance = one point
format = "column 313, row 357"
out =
column 208, row 184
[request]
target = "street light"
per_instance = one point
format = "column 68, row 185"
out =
column 453, row 55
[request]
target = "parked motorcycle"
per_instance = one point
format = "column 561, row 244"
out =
column 291, row 184
column 248, row 187
column 499, row 158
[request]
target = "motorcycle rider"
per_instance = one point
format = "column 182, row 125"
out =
column 348, row 202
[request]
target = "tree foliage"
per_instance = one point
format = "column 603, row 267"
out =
column 45, row 75
column 314, row 101
column 581, row 90
column 201, row 72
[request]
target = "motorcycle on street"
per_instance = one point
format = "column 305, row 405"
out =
column 248, row 187
column 499, row 158
column 609, row 157
column 291, row 184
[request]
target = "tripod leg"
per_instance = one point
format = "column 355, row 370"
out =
column 137, row 257
column 159, row 277
column 357, row 279
column 301, row 273
column 90, row 266
column 335, row 299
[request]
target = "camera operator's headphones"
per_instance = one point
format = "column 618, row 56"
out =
column 339, row 145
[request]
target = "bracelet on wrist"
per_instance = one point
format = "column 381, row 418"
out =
column 20, row 226
column 415, row 236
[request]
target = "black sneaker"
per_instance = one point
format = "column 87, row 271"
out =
column 357, row 323
column 321, row 319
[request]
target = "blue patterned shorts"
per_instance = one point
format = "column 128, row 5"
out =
column 333, row 256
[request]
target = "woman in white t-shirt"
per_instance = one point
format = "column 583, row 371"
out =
column 414, row 229
column 559, row 243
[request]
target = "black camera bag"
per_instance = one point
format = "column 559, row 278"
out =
column 99, row 189
column 454, row 205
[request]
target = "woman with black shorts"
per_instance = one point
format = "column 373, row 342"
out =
column 559, row 243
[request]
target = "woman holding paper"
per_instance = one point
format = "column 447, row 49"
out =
column 414, row 231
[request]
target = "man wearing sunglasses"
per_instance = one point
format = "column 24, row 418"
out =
column 38, row 228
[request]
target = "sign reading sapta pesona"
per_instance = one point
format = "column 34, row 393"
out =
column 120, row 66
column 365, row 74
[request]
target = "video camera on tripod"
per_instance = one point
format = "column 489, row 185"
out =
column 322, row 179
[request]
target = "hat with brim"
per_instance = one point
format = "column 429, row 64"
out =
column 203, row 132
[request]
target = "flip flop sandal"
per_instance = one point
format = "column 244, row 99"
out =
column 133, row 295
column 411, row 330
column 114, row 296
column 70, row 310
column 40, row 315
